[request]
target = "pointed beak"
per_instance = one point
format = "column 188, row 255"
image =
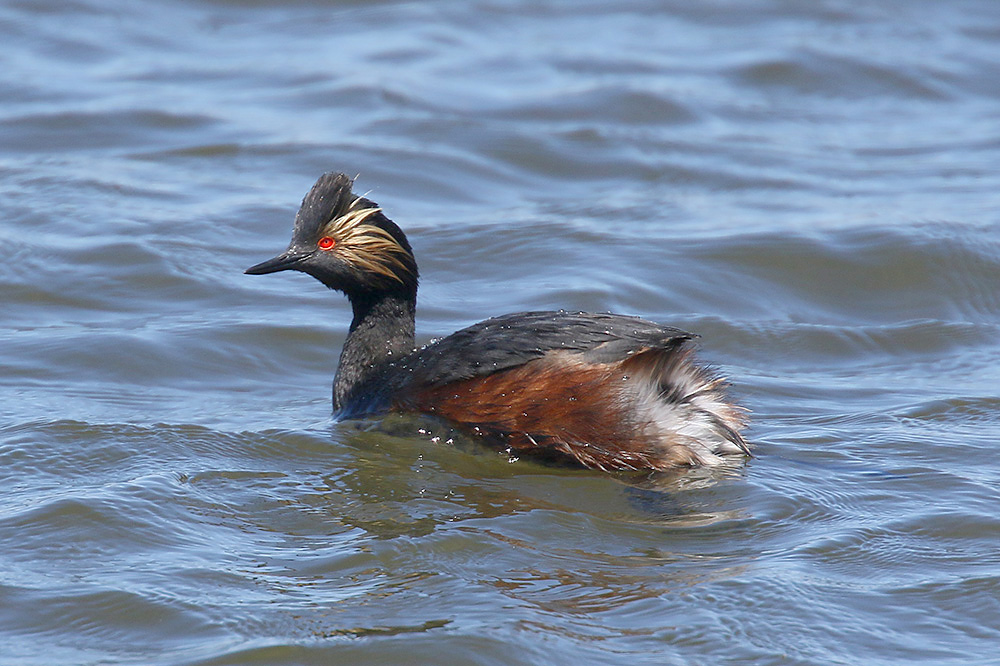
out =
column 284, row 261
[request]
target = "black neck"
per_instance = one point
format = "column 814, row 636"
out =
column 382, row 331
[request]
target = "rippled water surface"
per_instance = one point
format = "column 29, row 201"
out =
column 811, row 186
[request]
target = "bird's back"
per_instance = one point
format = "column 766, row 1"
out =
column 511, row 340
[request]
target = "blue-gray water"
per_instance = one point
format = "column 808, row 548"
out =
column 811, row 186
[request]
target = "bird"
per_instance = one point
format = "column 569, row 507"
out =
column 598, row 390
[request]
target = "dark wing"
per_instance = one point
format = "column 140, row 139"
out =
column 508, row 341
column 512, row 340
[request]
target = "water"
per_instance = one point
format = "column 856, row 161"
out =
column 810, row 186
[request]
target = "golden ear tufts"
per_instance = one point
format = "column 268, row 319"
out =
column 370, row 248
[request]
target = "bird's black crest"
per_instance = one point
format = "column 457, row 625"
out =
column 330, row 198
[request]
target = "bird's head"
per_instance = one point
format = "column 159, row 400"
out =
column 344, row 241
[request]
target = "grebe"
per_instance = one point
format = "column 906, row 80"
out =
column 607, row 391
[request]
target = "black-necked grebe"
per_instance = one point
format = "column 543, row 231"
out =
column 608, row 391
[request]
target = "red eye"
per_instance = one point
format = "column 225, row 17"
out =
column 326, row 243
